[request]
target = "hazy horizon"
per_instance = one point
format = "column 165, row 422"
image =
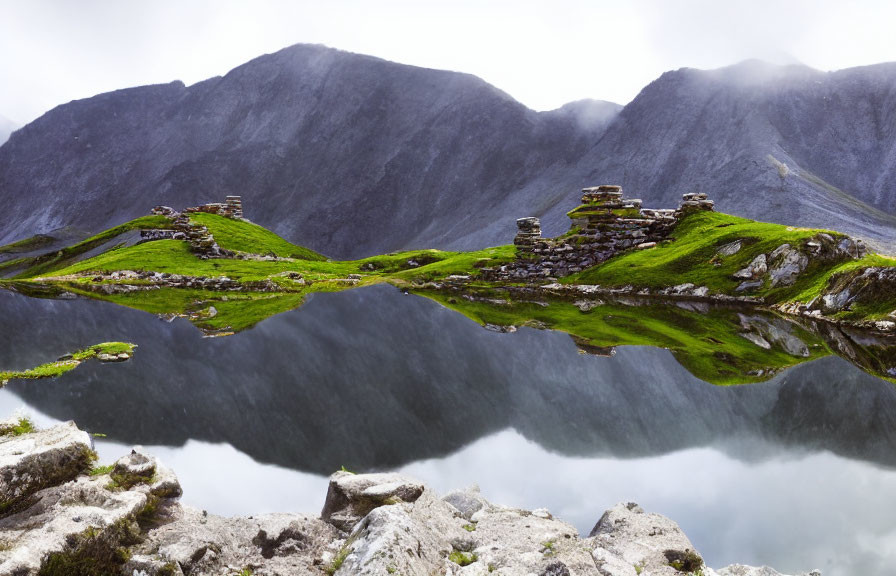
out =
column 542, row 55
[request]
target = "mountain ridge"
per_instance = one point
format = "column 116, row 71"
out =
column 354, row 155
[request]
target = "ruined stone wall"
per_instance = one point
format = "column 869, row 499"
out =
column 605, row 225
column 232, row 207
column 199, row 238
column 156, row 234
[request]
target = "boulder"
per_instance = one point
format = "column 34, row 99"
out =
column 69, row 519
column 466, row 502
column 147, row 473
column 402, row 538
column 653, row 543
column 787, row 264
column 350, row 497
column 774, row 330
column 511, row 541
column 41, row 459
column 730, row 249
column 757, row 268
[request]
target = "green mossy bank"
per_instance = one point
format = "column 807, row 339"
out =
column 105, row 352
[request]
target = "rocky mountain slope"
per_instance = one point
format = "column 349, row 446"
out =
column 352, row 155
column 786, row 144
column 63, row 517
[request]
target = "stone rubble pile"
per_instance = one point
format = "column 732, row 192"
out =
column 198, row 236
column 604, row 225
column 200, row 239
column 127, row 520
column 694, row 202
column 529, row 233
column 161, row 234
column 232, row 207
column 116, row 283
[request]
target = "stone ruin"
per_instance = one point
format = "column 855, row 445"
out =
column 694, row 202
column 198, row 236
column 232, row 207
column 604, row 225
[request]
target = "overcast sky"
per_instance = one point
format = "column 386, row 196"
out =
column 542, row 53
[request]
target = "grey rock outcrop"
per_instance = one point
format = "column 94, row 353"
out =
column 34, row 461
column 652, row 543
column 787, row 264
column 764, row 331
column 757, row 268
column 350, row 497
column 467, row 502
column 865, row 286
column 128, row 521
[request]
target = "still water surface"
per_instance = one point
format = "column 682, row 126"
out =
column 798, row 472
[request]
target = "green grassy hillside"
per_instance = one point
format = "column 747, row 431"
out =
column 46, row 263
column 243, row 236
column 691, row 256
column 710, row 344
column 717, row 344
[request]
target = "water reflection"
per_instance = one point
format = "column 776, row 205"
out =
column 322, row 387
column 778, row 472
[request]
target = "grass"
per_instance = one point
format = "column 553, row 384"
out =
column 242, row 236
column 27, row 244
column 691, row 257
column 338, row 560
column 100, row 470
column 94, row 552
column 51, row 261
column 462, row 558
column 709, row 345
column 237, row 311
column 68, row 362
column 586, row 210
column 126, row 480
column 23, row 425
column 691, row 254
column 174, row 257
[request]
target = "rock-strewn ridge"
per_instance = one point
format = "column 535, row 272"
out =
column 125, row 519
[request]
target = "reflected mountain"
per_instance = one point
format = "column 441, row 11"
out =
column 372, row 378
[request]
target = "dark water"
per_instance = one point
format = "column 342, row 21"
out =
column 797, row 472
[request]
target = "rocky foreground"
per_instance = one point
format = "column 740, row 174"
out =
column 60, row 514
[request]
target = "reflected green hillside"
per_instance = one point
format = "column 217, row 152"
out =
column 717, row 344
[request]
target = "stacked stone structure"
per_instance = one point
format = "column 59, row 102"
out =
column 529, row 233
column 604, row 225
column 232, row 207
column 694, row 202
column 200, row 239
